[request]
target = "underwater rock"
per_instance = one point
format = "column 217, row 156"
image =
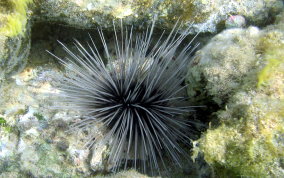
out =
column 37, row 144
column 17, row 17
column 8, row 143
column 14, row 36
column 97, row 163
column 129, row 174
column 205, row 14
column 218, row 69
column 248, row 141
column 34, row 141
column 13, row 54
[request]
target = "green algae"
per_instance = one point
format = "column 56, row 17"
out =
column 249, row 145
column 267, row 72
column 248, row 142
column 16, row 17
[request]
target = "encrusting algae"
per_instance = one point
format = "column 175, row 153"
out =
column 14, row 13
column 249, row 140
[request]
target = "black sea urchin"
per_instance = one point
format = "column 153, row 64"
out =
column 135, row 96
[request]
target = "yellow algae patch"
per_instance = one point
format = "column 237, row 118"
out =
column 14, row 21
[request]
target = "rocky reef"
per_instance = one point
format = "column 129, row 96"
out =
column 236, row 76
column 245, row 75
column 14, row 36
column 17, row 18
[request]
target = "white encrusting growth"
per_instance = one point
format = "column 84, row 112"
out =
column 133, row 97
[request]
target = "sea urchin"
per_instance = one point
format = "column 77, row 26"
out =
column 135, row 96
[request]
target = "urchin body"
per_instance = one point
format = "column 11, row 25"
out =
column 134, row 96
